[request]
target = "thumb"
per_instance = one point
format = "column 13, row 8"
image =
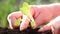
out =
column 45, row 28
column 25, row 23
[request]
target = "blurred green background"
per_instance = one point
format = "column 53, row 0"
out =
column 8, row 6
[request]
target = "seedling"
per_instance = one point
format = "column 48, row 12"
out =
column 25, row 9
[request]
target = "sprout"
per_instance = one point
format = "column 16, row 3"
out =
column 25, row 9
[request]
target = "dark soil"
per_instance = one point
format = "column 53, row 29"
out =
column 26, row 31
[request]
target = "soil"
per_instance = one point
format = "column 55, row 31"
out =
column 26, row 31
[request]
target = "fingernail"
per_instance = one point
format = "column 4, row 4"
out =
column 10, row 28
column 41, row 30
column 45, row 28
column 34, row 27
column 21, row 28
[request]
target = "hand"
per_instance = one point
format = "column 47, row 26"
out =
column 38, row 14
column 53, row 25
column 41, row 14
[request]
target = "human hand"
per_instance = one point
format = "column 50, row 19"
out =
column 53, row 25
column 35, row 11
column 41, row 15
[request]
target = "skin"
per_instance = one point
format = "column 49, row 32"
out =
column 42, row 14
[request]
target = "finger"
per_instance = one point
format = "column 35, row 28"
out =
column 56, row 25
column 44, row 28
column 12, row 18
column 9, row 21
column 25, row 23
column 26, row 20
column 53, row 25
column 36, row 16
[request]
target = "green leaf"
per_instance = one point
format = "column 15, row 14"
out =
column 25, row 9
column 18, row 21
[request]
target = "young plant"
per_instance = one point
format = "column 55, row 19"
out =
column 25, row 9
